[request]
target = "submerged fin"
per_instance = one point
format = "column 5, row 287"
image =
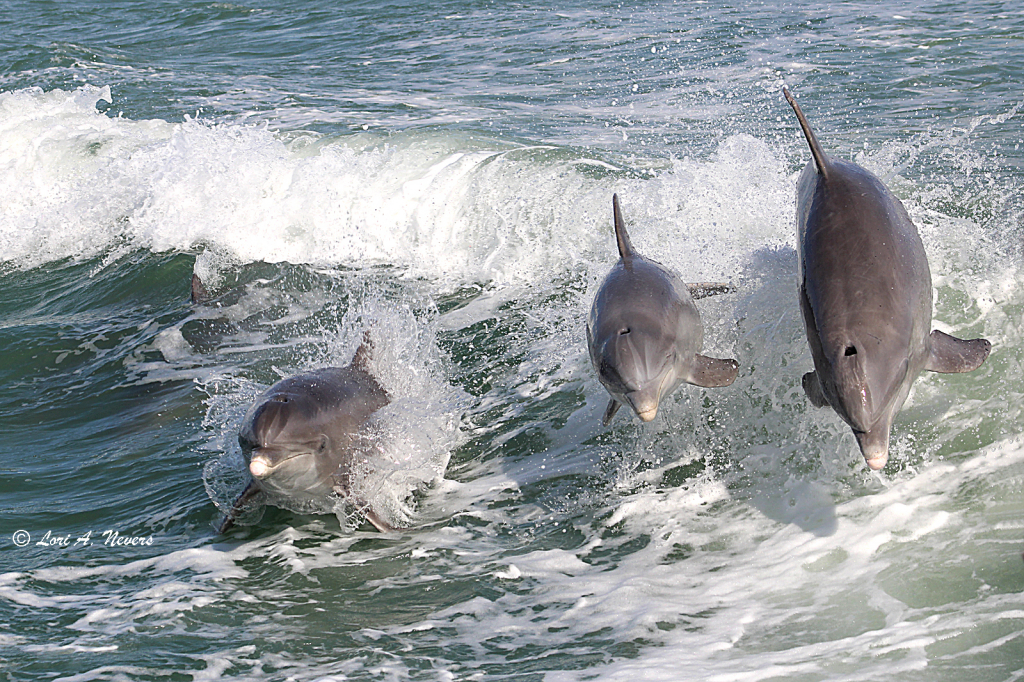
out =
column 712, row 372
column 621, row 236
column 377, row 522
column 950, row 355
column 199, row 292
column 704, row 289
column 250, row 491
column 820, row 160
column 609, row 412
column 812, row 387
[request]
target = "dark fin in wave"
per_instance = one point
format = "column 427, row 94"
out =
column 950, row 355
column 820, row 159
column 199, row 292
column 621, row 236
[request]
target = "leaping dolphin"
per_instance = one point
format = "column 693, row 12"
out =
column 645, row 335
column 866, row 298
column 303, row 435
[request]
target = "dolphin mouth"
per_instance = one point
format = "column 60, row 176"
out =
column 645, row 406
column 261, row 466
column 646, row 401
column 874, row 448
column 877, row 463
column 648, row 415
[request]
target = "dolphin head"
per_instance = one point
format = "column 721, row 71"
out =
column 868, row 385
column 286, row 447
column 638, row 367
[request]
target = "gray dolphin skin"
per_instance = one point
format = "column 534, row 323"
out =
column 645, row 335
column 303, row 434
column 866, row 298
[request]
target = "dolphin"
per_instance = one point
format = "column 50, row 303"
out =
column 303, row 435
column 645, row 335
column 866, row 298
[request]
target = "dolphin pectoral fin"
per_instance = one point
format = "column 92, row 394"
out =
column 250, row 491
column 609, row 412
column 812, row 387
column 950, row 355
column 377, row 522
column 712, row 372
column 700, row 290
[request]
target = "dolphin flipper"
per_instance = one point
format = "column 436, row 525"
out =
column 712, row 372
column 950, row 355
column 812, row 387
column 701, row 290
column 250, row 491
column 613, row 407
column 378, row 523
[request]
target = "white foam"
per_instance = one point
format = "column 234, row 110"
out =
column 442, row 207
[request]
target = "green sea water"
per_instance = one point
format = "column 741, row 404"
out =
column 442, row 173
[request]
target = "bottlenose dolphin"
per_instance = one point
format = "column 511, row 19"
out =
column 645, row 335
column 866, row 298
column 303, row 435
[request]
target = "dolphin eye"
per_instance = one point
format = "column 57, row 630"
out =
column 623, row 332
column 850, row 350
column 281, row 399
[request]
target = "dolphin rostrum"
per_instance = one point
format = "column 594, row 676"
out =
column 645, row 335
column 866, row 298
column 304, row 434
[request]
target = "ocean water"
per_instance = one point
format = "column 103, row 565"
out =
column 442, row 173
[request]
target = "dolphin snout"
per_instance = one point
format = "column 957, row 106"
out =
column 259, row 466
column 644, row 403
column 878, row 463
column 874, row 445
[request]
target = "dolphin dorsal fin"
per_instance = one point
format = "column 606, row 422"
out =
column 621, row 236
column 820, row 160
column 361, row 360
column 199, row 293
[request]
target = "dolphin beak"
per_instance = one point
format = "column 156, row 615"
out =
column 644, row 403
column 259, row 466
column 877, row 463
column 648, row 415
column 874, row 445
